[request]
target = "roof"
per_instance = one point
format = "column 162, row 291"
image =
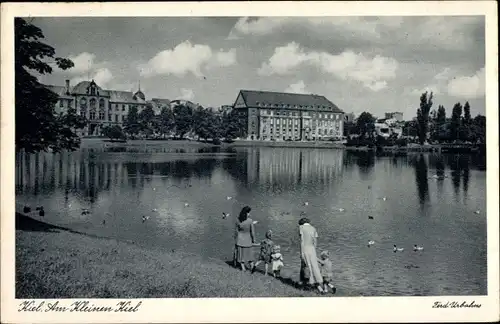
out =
column 81, row 88
column 115, row 95
column 288, row 100
column 59, row 90
column 161, row 101
column 121, row 96
column 139, row 95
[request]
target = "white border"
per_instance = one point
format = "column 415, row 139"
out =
column 357, row 309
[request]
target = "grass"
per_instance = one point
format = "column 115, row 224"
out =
column 54, row 262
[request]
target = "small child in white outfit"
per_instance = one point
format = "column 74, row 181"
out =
column 276, row 260
column 326, row 271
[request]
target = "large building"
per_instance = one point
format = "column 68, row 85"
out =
column 289, row 116
column 102, row 107
column 394, row 115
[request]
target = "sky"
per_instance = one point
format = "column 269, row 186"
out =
column 375, row 64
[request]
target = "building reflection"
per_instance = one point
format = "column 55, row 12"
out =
column 284, row 168
column 43, row 173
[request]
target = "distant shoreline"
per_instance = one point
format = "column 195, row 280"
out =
column 99, row 143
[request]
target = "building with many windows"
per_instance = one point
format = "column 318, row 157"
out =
column 394, row 115
column 101, row 107
column 289, row 116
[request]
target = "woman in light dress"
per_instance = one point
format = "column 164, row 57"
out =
column 309, row 260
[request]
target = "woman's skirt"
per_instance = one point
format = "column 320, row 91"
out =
column 243, row 254
column 310, row 267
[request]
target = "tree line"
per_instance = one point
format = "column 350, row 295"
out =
column 40, row 128
column 429, row 125
column 178, row 122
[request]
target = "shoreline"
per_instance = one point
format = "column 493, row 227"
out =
column 57, row 262
column 206, row 149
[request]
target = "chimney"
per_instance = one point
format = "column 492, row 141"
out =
column 67, row 86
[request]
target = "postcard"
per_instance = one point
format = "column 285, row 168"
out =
column 255, row 162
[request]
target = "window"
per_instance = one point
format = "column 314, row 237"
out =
column 110, row 117
column 101, row 114
column 61, row 103
column 92, row 115
column 123, row 107
column 101, row 104
column 70, row 104
column 116, row 118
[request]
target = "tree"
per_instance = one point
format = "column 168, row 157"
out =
column 234, row 124
column 200, row 121
column 147, row 120
column 455, row 121
column 423, row 117
column 439, row 124
column 479, row 129
column 467, row 120
column 465, row 130
column 38, row 127
column 166, row 121
column 113, row 132
column 183, row 116
column 131, row 123
column 366, row 124
column 410, row 128
column 350, row 128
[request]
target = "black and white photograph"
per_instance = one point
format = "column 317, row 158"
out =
column 166, row 157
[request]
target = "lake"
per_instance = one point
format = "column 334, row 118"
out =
column 430, row 200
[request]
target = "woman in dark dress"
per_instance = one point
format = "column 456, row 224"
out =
column 244, row 235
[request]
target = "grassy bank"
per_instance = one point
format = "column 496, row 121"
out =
column 54, row 262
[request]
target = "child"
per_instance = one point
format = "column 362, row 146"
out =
column 266, row 247
column 326, row 271
column 276, row 260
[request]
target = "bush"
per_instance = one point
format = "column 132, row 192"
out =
column 360, row 142
column 216, row 141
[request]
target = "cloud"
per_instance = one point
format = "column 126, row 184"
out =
column 284, row 59
column 447, row 32
column 434, row 88
column 186, row 94
column 468, row 87
column 298, row 87
column 101, row 76
column 83, row 62
column 223, row 59
column 186, row 58
column 452, row 33
column 258, row 26
column 361, row 26
column 373, row 73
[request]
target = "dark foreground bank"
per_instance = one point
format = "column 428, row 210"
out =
column 55, row 262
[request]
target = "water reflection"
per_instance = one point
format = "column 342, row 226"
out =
column 41, row 174
column 364, row 160
column 421, row 177
column 283, row 169
column 276, row 183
